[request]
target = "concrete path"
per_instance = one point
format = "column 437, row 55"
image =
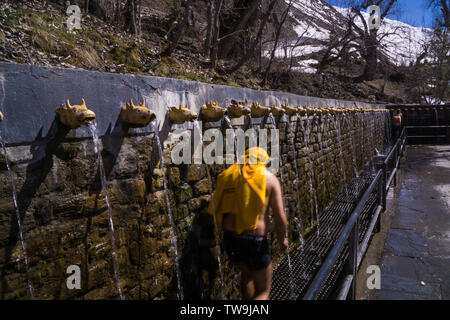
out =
column 416, row 254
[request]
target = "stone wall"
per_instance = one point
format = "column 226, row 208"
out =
column 65, row 219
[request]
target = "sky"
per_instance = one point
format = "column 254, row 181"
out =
column 413, row 12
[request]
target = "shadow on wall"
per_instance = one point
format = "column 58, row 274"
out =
column 37, row 170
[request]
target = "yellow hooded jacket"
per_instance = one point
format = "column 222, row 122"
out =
column 241, row 190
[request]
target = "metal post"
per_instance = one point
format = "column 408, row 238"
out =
column 395, row 163
column 381, row 165
column 380, row 203
column 353, row 258
column 384, row 179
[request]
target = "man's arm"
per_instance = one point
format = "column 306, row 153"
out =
column 276, row 203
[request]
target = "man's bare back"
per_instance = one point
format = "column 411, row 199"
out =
column 274, row 199
column 397, row 120
column 256, row 282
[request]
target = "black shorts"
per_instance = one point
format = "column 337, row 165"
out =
column 397, row 129
column 252, row 251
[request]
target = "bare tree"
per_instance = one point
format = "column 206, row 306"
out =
column 251, row 50
column 216, row 28
column 339, row 43
column 229, row 40
column 444, row 7
column 181, row 28
column 369, row 42
column 132, row 16
column 209, row 27
column 277, row 37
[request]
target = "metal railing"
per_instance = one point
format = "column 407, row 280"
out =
column 445, row 137
column 386, row 173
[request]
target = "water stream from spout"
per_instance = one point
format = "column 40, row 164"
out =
column 352, row 144
column 93, row 129
column 230, row 126
column 388, row 123
column 216, row 229
column 314, row 207
column 16, row 207
column 291, row 274
column 337, row 127
column 437, row 116
column 321, row 132
column 173, row 236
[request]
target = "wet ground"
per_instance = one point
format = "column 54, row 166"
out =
column 413, row 247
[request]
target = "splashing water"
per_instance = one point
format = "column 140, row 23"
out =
column 216, row 230
column 352, row 144
column 173, row 236
column 291, row 273
column 314, row 207
column 230, row 126
column 14, row 195
column 297, row 178
column 93, row 129
column 321, row 149
column 337, row 127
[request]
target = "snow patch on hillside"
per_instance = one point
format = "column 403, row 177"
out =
column 314, row 20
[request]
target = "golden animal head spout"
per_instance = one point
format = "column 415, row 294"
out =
column 1, row 116
column 277, row 111
column 212, row 112
column 180, row 115
column 289, row 110
column 75, row 116
column 258, row 112
column 321, row 111
column 311, row 111
column 138, row 115
column 237, row 109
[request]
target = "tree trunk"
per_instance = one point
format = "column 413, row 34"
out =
column 253, row 45
column 230, row 41
column 132, row 13
column 215, row 39
column 277, row 37
column 209, row 20
column 181, row 28
column 371, row 57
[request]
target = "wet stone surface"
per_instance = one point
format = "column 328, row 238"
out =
column 416, row 254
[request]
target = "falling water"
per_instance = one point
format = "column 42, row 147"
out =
column 297, row 178
column 216, row 230
column 321, row 149
column 230, row 126
column 437, row 116
column 93, row 129
column 350, row 125
column 291, row 274
column 337, row 127
column 314, row 207
column 361, row 137
column 14, row 195
column 173, row 235
column 388, row 124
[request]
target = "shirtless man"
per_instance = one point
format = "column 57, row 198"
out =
column 249, row 250
column 397, row 124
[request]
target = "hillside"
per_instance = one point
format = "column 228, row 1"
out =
column 35, row 32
